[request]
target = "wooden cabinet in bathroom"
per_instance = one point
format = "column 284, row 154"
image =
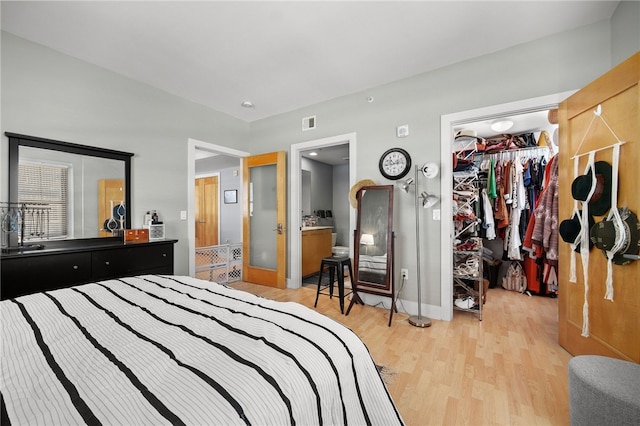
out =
column 316, row 244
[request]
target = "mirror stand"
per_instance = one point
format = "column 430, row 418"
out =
column 374, row 243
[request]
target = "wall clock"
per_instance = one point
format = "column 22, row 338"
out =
column 395, row 163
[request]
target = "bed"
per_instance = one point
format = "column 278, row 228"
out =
column 372, row 269
column 178, row 350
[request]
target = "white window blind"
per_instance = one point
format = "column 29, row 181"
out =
column 45, row 184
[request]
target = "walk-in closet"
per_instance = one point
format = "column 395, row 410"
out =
column 505, row 183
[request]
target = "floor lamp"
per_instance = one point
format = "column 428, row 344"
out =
column 423, row 200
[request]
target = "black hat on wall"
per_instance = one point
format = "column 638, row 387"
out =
column 604, row 234
column 569, row 229
column 600, row 201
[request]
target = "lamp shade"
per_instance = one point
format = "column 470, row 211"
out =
column 406, row 185
column 366, row 239
column 428, row 200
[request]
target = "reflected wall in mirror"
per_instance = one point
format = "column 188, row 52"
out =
column 86, row 189
column 306, row 193
column 373, row 240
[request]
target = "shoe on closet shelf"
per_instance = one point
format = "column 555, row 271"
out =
column 469, row 268
column 472, row 244
column 467, row 302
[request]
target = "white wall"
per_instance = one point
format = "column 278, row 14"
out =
column 230, row 214
column 321, row 184
column 625, row 31
column 341, row 206
column 555, row 64
column 52, row 95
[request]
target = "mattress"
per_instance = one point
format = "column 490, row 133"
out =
column 179, row 350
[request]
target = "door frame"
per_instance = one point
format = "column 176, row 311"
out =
column 447, row 123
column 295, row 197
column 192, row 145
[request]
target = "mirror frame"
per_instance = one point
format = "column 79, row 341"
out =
column 18, row 140
column 387, row 288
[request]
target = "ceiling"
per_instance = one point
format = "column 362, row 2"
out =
column 283, row 56
column 335, row 155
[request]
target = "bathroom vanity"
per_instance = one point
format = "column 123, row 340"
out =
column 316, row 244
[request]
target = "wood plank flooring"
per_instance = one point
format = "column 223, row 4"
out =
column 507, row 369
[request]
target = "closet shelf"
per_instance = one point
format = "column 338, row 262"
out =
column 467, row 272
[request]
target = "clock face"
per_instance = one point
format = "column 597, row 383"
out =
column 395, row 163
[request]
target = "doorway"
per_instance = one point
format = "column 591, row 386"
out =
column 448, row 123
column 206, row 211
column 196, row 147
column 295, row 197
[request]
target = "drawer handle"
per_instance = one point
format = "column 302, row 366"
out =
column 106, row 263
column 75, row 266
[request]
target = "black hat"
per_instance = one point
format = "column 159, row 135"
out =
column 570, row 228
column 603, row 234
column 600, row 201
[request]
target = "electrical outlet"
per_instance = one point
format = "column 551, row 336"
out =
column 183, row 215
column 404, row 273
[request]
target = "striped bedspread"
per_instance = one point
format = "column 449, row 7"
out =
column 177, row 350
column 377, row 264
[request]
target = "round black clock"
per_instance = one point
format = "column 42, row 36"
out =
column 395, row 163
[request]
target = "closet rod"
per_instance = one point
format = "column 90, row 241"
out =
column 515, row 151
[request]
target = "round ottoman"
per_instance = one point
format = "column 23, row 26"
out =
column 603, row 391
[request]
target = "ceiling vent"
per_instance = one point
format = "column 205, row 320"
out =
column 309, row 123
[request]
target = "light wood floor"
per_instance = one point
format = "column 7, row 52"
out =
column 507, row 369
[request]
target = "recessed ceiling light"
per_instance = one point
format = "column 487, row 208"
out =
column 501, row 125
column 247, row 104
column 313, row 154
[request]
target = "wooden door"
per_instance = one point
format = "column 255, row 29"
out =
column 264, row 219
column 110, row 194
column 614, row 326
column 206, row 211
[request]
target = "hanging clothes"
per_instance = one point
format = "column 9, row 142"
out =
column 544, row 229
column 488, row 222
column 517, row 177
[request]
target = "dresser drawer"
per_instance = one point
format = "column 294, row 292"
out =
column 132, row 260
column 41, row 273
column 81, row 262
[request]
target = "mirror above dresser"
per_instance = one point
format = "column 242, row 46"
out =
column 64, row 191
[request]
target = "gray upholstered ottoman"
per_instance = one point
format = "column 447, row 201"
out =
column 603, row 391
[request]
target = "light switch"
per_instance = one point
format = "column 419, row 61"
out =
column 436, row 214
column 183, row 215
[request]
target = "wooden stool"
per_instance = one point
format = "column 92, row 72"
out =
column 336, row 266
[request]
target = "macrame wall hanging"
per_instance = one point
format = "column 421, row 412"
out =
column 583, row 238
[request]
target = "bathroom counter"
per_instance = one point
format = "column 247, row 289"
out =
column 316, row 244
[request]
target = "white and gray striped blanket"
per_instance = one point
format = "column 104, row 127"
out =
column 376, row 264
column 177, row 350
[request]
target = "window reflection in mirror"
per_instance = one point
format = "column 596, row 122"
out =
column 70, row 185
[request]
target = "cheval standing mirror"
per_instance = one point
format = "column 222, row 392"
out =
column 373, row 242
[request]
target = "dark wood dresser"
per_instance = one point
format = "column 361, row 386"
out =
column 83, row 261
